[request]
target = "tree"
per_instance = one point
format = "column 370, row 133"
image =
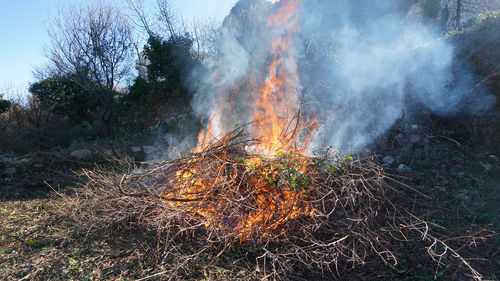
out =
column 64, row 97
column 169, row 63
column 169, row 60
column 167, row 23
column 92, row 46
column 459, row 11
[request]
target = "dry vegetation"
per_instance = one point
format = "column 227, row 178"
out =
column 223, row 214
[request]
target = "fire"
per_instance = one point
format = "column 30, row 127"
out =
column 276, row 104
column 248, row 198
column 272, row 182
column 277, row 99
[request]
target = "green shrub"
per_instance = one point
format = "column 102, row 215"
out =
column 62, row 96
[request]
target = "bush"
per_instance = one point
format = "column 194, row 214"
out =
column 62, row 96
column 30, row 127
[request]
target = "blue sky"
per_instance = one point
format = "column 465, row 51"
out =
column 23, row 32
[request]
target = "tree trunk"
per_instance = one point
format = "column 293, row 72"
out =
column 459, row 8
column 105, row 127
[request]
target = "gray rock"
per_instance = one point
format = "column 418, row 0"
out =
column 388, row 160
column 402, row 168
column 38, row 166
column 486, row 166
column 10, row 171
column 136, row 149
column 83, row 154
column 107, row 152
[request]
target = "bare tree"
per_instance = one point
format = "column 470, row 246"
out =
column 172, row 23
column 92, row 44
column 205, row 35
column 165, row 22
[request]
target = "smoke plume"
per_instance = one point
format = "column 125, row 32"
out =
column 359, row 63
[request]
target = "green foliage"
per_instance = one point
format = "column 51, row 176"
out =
column 288, row 172
column 65, row 98
column 170, row 60
column 139, row 90
column 4, row 104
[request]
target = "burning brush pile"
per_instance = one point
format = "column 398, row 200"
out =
column 227, row 194
column 257, row 216
column 281, row 210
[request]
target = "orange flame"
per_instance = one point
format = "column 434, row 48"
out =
column 274, row 110
column 277, row 99
column 276, row 103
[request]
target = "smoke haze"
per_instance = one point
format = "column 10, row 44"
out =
column 360, row 64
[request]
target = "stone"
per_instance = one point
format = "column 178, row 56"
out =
column 82, row 154
column 486, row 166
column 107, row 152
column 402, row 168
column 136, row 149
column 415, row 139
column 10, row 171
column 388, row 160
column 38, row 166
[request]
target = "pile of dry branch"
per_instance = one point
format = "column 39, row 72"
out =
column 254, row 216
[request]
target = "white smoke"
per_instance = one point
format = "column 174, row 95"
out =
column 360, row 64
